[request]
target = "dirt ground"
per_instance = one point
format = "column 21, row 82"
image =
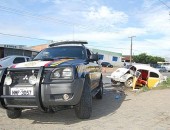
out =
column 117, row 110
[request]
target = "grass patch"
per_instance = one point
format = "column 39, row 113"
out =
column 145, row 89
column 163, row 85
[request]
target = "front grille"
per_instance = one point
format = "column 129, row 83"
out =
column 21, row 87
column 21, row 77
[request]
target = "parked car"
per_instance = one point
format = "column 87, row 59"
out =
column 161, row 69
column 62, row 76
column 11, row 60
column 106, row 64
column 149, row 76
column 127, row 66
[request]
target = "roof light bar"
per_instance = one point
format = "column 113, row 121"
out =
column 67, row 42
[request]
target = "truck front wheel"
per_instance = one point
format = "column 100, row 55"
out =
column 83, row 109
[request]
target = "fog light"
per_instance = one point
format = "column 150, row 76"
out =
column 65, row 96
column 56, row 74
column 8, row 80
column 32, row 80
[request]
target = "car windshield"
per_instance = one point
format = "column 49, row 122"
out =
column 61, row 53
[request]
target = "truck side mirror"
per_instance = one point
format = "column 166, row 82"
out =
column 94, row 57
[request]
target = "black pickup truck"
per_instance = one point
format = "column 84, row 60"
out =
column 64, row 75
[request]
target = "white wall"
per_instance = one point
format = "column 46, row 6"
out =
column 108, row 58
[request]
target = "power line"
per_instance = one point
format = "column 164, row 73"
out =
column 13, row 35
column 164, row 4
column 25, row 13
column 45, row 18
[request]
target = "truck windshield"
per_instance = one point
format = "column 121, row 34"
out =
column 61, row 52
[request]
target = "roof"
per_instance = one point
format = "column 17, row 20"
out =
column 19, row 47
column 107, row 52
column 39, row 47
column 146, row 67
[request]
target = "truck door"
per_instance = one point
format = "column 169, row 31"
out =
column 94, row 71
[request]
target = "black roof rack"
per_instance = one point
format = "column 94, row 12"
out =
column 67, row 42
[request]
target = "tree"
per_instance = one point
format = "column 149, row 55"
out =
column 147, row 59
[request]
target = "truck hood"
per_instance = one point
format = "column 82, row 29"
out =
column 45, row 63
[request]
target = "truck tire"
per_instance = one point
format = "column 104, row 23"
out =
column 99, row 95
column 83, row 109
column 129, row 83
column 13, row 113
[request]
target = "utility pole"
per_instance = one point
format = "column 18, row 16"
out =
column 131, row 49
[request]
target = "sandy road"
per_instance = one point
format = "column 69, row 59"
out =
column 132, row 111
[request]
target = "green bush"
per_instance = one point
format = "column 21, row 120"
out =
column 164, row 84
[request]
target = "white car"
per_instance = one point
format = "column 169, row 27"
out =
column 11, row 60
column 148, row 74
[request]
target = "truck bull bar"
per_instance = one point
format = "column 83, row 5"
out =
column 37, row 95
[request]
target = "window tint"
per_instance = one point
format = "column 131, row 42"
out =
column 19, row 60
column 154, row 75
column 64, row 51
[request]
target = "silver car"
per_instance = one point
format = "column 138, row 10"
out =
column 11, row 60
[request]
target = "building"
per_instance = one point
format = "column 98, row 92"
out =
column 108, row 56
column 126, row 58
column 7, row 50
column 40, row 47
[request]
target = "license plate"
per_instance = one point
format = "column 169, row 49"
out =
column 22, row 91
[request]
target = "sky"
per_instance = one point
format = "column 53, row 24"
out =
column 105, row 24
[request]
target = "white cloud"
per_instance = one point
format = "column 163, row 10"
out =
column 101, row 25
column 155, row 18
column 148, row 3
column 131, row 31
column 157, row 22
column 100, row 36
column 105, row 16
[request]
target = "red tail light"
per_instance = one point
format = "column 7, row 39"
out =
column 13, row 66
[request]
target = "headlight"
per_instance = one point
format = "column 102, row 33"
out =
column 62, row 73
column 57, row 74
column 67, row 72
column 32, row 80
column 8, row 80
